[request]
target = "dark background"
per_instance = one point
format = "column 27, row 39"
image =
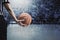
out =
column 42, row 11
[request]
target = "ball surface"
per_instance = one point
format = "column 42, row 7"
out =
column 27, row 19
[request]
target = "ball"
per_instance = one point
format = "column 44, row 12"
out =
column 26, row 17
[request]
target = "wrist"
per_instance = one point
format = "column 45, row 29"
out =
column 15, row 19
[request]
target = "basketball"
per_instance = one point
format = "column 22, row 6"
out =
column 26, row 17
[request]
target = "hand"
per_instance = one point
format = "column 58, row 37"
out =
column 20, row 22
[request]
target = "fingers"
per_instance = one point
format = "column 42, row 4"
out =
column 20, row 22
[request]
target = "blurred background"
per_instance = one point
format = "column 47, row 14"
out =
column 45, row 20
column 42, row 11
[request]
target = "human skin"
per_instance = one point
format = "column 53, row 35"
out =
column 24, row 21
column 11, row 12
column 26, row 17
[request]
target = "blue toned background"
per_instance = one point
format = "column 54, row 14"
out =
column 42, row 11
column 33, row 32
